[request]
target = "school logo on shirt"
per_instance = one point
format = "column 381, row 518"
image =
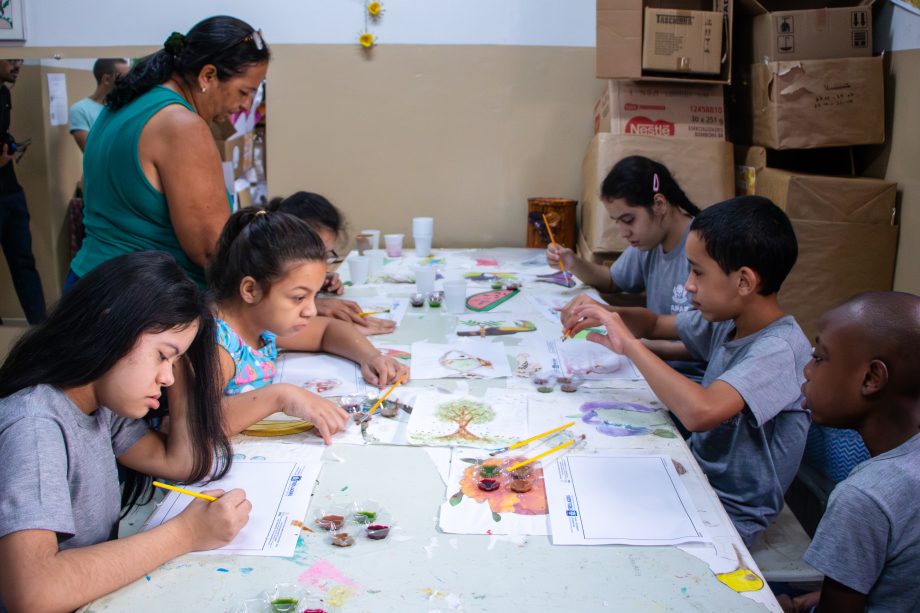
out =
column 680, row 299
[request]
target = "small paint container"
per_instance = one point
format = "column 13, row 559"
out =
column 285, row 598
column 365, row 512
column 520, row 486
column 543, row 380
column 488, row 477
column 388, row 408
column 522, row 472
column 570, row 384
column 417, row 300
column 341, row 539
column 435, row 299
column 497, row 284
column 512, row 285
column 379, row 529
column 331, row 518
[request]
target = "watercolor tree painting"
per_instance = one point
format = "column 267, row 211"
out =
column 464, row 412
column 11, row 26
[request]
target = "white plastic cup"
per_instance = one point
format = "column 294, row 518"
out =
column 375, row 237
column 358, row 268
column 424, row 279
column 375, row 261
column 393, row 244
column 423, row 226
column 455, row 296
column 422, row 246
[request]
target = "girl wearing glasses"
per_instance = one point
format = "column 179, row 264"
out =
column 153, row 176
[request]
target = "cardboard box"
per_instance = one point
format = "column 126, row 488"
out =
column 847, row 237
column 704, row 169
column 816, row 34
column 808, row 104
column 661, row 109
column 682, row 41
column 619, row 40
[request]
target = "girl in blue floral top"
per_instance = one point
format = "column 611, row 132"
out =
column 265, row 275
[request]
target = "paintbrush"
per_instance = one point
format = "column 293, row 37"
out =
column 532, row 439
column 367, row 313
column 167, row 486
column 547, row 452
column 384, row 397
column 553, row 241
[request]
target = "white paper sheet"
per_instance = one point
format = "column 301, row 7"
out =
column 547, row 304
column 494, row 324
column 469, row 510
column 616, row 499
column 57, row 99
column 531, row 354
column 279, row 492
column 467, row 358
column 458, row 420
column 323, row 374
column 592, row 361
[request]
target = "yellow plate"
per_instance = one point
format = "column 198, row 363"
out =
column 277, row 428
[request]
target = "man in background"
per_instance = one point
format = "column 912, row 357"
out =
column 15, row 236
column 83, row 113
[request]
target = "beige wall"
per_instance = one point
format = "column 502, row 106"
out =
column 47, row 173
column 899, row 160
column 461, row 133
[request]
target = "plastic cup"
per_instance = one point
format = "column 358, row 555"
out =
column 374, row 237
column 358, row 267
column 375, row 261
column 393, row 243
column 422, row 245
column 422, row 226
column 424, row 279
column 455, row 296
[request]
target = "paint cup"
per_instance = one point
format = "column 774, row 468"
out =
column 374, row 237
column 374, row 261
column 358, row 268
column 285, row 597
column 424, row 279
column 362, row 243
column 422, row 246
column 455, row 296
column 393, row 243
column 422, row 226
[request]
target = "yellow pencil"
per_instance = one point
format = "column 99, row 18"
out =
column 533, row 438
column 553, row 241
column 545, row 453
column 167, row 486
column 384, row 397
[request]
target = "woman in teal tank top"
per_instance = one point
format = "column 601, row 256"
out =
column 153, row 176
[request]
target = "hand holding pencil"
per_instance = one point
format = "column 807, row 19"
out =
column 207, row 525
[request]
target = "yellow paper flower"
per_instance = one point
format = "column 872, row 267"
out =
column 366, row 40
column 374, row 9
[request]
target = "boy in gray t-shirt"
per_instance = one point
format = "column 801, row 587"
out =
column 865, row 375
column 748, row 427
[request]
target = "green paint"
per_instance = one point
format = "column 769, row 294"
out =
column 284, row 605
column 496, row 516
column 490, row 471
column 344, row 488
column 456, row 499
column 365, row 517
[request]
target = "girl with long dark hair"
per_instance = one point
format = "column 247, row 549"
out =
column 153, row 176
column 653, row 214
column 73, row 395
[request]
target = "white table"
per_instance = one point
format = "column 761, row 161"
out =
column 421, row 568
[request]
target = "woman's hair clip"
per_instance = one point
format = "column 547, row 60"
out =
column 175, row 43
column 656, row 185
column 261, row 212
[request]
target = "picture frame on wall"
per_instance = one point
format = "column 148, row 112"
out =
column 11, row 21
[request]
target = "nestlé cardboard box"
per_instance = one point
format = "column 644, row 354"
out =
column 661, row 109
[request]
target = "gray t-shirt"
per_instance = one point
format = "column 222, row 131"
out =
column 83, row 114
column 869, row 537
column 57, row 466
column 752, row 458
column 662, row 276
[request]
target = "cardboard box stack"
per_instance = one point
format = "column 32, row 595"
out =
column 665, row 63
column 808, row 80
